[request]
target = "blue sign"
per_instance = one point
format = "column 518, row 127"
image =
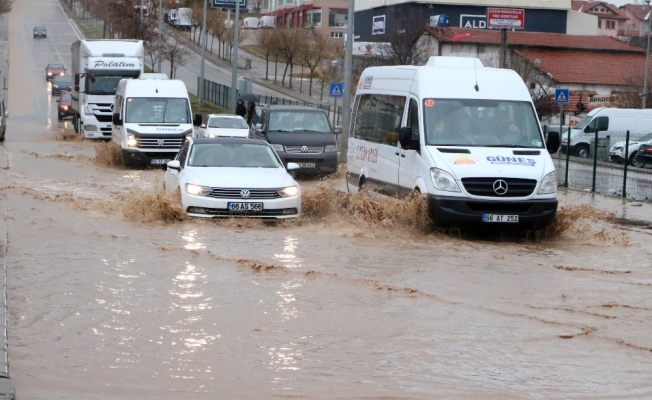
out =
column 229, row 4
column 561, row 96
column 336, row 89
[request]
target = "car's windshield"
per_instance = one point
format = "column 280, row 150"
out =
column 63, row 79
column 299, row 121
column 66, row 97
column 233, row 155
column 157, row 110
column 55, row 66
column 39, row 28
column 227, row 123
column 493, row 123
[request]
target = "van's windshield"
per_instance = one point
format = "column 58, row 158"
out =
column 584, row 122
column 479, row 122
column 299, row 121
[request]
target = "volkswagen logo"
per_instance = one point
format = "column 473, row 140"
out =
column 244, row 193
column 500, row 187
column 304, row 149
column 161, row 142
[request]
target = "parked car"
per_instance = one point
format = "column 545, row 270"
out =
column 644, row 155
column 233, row 177
column 53, row 70
column 64, row 102
column 299, row 134
column 224, row 125
column 60, row 84
column 617, row 151
column 40, row 31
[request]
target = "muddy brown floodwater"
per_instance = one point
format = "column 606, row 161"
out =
column 114, row 294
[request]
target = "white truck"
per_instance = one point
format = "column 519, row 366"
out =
column 151, row 120
column 180, row 18
column 97, row 67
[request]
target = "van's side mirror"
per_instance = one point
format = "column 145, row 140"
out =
column 116, row 119
column 259, row 128
column 77, row 82
column 337, row 130
column 405, row 137
column 552, row 143
column 76, row 88
column 198, row 120
column 58, row 100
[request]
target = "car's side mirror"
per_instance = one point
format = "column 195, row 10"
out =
column 337, row 130
column 175, row 165
column 293, row 166
column 553, row 142
column 76, row 82
column 258, row 128
column 405, row 137
column 203, row 126
column 116, row 119
column 198, row 120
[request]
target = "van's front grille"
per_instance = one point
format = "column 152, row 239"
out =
column 509, row 187
column 308, row 149
column 159, row 143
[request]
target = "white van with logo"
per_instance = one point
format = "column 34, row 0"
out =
column 250, row 23
column 465, row 136
column 151, row 120
column 612, row 122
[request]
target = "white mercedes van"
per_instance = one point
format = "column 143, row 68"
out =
column 465, row 136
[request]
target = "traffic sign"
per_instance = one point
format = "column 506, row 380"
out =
column 506, row 18
column 561, row 96
column 229, row 4
column 336, row 89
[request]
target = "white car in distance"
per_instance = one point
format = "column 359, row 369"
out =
column 233, row 177
column 218, row 125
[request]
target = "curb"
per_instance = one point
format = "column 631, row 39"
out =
column 7, row 390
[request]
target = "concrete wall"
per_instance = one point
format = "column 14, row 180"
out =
column 579, row 23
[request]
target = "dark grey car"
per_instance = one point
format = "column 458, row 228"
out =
column 40, row 31
column 61, row 84
column 299, row 134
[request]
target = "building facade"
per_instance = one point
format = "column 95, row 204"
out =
column 610, row 18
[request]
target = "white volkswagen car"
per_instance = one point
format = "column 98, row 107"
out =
column 226, row 177
column 224, row 125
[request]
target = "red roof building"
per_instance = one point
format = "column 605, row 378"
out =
column 610, row 18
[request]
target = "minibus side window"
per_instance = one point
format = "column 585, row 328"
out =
column 354, row 115
column 413, row 118
column 379, row 117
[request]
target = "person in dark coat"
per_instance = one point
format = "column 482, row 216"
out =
column 240, row 109
column 250, row 112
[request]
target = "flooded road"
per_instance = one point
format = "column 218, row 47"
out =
column 109, row 298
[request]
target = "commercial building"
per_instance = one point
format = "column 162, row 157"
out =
column 327, row 16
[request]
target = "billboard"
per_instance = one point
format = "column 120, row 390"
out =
column 505, row 18
column 229, row 4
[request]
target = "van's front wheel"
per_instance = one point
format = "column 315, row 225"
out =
column 583, row 151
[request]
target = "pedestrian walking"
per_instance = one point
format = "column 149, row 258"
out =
column 240, row 109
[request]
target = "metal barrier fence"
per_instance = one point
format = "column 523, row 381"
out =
column 611, row 167
column 220, row 95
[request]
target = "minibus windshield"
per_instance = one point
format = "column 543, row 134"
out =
column 482, row 123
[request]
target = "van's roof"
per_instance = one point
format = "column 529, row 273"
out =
column 152, row 88
column 442, row 79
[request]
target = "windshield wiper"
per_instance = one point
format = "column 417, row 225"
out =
column 281, row 130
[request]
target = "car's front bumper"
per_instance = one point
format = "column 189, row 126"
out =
column 135, row 157
column 465, row 212
column 209, row 207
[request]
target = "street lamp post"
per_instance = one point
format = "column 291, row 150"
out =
column 200, row 93
column 647, row 55
column 160, row 33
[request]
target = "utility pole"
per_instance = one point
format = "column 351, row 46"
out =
column 142, row 34
column 503, row 48
column 200, row 92
column 348, row 75
column 234, row 58
column 160, row 33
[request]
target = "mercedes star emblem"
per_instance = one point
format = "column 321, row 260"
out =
column 161, row 142
column 244, row 193
column 500, row 187
column 304, row 149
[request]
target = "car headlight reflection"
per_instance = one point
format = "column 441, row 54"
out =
column 549, row 184
column 49, row 73
column 443, row 180
column 197, row 190
column 289, row 191
column 331, row 147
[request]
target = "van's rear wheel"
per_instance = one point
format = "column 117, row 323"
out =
column 583, row 151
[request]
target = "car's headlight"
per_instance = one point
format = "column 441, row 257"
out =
column 61, row 74
column 55, row 85
column 212, row 135
column 65, row 108
column 331, row 147
column 277, row 147
column 198, row 190
column 49, row 73
column 289, row 191
column 443, row 180
column 189, row 136
column 131, row 141
column 616, row 148
column 549, row 184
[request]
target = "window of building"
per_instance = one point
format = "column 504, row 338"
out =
column 378, row 118
column 313, row 18
column 337, row 18
column 599, row 24
column 337, row 34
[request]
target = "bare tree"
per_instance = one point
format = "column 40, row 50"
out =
column 230, row 38
column 313, row 53
column 174, row 52
column 265, row 41
column 215, row 26
column 403, row 46
column 5, row 6
column 290, row 42
column 631, row 95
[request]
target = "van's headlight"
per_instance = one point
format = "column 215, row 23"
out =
column 289, row 191
column 331, row 147
column 189, row 136
column 549, row 184
column 198, row 190
column 131, row 141
column 277, row 147
column 443, row 180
